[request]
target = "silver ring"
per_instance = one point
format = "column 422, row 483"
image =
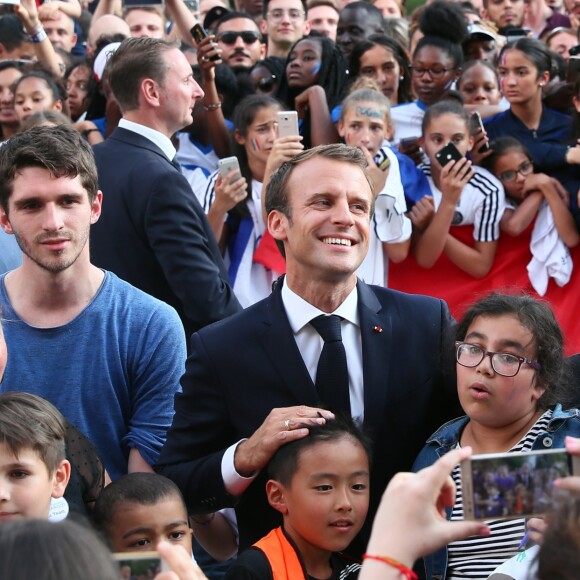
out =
column 204, row 59
column 287, row 424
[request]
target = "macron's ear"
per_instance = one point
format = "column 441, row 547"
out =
column 277, row 223
column 275, row 494
column 61, row 478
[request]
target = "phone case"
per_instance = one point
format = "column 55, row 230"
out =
column 228, row 164
column 287, row 123
column 448, row 153
column 198, row 33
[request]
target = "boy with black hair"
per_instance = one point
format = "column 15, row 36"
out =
column 138, row 510
column 320, row 485
column 33, row 468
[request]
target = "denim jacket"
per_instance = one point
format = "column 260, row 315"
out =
column 562, row 424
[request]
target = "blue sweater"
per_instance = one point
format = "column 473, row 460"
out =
column 112, row 371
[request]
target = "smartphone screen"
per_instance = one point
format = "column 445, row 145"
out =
column 513, row 485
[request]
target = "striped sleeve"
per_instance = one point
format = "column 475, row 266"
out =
column 490, row 206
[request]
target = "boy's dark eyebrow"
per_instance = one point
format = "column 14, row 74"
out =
column 328, row 474
column 145, row 530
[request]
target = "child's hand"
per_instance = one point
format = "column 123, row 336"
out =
column 454, row 177
column 535, row 182
column 180, row 562
column 480, row 139
column 229, row 192
column 283, row 149
column 378, row 177
column 422, row 213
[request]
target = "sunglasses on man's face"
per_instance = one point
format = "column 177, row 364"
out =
column 248, row 36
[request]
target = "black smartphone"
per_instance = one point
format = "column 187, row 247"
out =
column 141, row 3
column 475, row 126
column 448, row 153
column 198, row 33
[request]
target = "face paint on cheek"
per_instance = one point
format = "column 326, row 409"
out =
column 316, row 69
column 255, row 144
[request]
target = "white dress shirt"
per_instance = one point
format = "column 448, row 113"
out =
column 162, row 141
column 310, row 344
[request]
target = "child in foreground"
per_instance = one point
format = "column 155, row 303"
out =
column 320, row 485
column 33, row 468
column 139, row 510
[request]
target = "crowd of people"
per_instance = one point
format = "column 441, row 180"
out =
column 280, row 367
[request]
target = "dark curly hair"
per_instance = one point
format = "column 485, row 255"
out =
column 538, row 318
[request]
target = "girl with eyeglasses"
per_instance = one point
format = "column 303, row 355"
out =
column 436, row 65
column 234, row 202
column 511, row 383
column 528, row 193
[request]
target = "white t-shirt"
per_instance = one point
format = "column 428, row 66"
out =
column 482, row 203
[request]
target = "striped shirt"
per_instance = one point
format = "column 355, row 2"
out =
column 477, row 557
column 482, row 203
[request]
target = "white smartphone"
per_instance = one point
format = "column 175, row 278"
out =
column 500, row 486
column 140, row 564
column 228, row 164
column 287, row 123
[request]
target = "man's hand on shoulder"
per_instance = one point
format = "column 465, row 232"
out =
column 280, row 427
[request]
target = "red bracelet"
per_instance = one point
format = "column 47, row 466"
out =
column 407, row 572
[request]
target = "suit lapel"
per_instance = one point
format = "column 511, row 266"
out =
column 280, row 346
column 136, row 140
column 376, row 336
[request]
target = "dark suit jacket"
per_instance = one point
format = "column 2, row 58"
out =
column 241, row 368
column 154, row 234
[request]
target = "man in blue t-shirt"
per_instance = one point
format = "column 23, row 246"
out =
column 107, row 355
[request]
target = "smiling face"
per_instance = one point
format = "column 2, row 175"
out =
column 326, row 237
column 444, row 129
column 364, row 124
column 8, row 77
column 479, row 86
column 326, row 502
column 260, row 134
column 141, row 527
column 285, row 23
column 520, row 80
column 433, row 74
column 26, row 486
column 491, row 399
column 303, row 66
column 32, row 95
column 50, row 218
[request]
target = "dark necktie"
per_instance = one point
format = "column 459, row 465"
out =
column 332, row 371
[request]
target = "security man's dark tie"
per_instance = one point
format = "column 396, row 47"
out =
column 332, row 371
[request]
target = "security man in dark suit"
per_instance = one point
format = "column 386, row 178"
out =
column 153, row 233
